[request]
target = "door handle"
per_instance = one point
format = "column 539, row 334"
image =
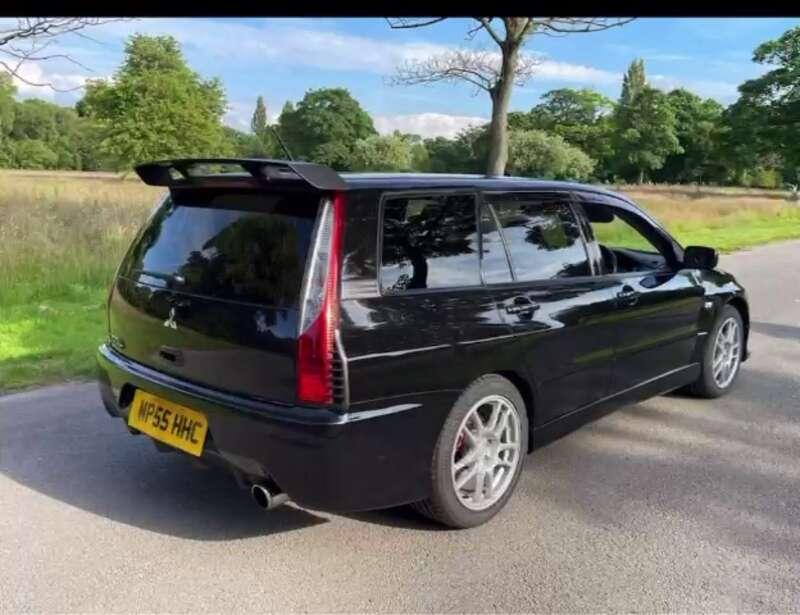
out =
column 628, row 296
column 522, row 305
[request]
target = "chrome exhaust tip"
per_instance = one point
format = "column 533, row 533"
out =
column 268, row 497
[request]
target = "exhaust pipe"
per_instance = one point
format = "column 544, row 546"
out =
column 268, row 496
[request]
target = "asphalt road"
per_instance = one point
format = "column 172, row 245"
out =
column 675, row 504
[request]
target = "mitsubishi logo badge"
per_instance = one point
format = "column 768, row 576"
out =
column 170, row 322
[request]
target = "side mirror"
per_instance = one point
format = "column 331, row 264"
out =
column 700, row 257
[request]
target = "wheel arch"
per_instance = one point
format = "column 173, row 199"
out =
column 740, row 304
column 526, row 391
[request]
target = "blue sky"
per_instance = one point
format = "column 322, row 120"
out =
column 283, row 58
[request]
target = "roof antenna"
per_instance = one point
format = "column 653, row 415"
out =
column 282, row 144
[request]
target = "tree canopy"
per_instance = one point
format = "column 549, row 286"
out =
column 156, row 106
column 325, row 126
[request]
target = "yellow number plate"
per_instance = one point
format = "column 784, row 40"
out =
column 169, row 422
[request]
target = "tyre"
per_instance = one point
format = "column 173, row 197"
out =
column 479, row 454
column 722, row 355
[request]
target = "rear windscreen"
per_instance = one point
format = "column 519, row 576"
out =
column 240, row 246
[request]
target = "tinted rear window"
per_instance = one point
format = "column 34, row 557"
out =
column 429, row 242
column 240, row 246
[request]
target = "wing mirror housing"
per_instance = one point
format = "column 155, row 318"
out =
column 700, row 257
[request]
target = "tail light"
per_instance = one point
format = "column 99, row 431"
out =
column 319, row 310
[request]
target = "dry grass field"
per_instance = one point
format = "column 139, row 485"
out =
column 62, row 235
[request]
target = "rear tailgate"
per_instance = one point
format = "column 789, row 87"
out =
column 209, row 291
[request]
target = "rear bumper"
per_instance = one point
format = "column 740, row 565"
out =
column 374, row 455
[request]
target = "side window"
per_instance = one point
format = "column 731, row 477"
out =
column 495, row 267
column 542, row 234
column 616, row 232
column 429, row 242
column 625, row 245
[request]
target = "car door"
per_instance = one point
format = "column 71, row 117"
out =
column 536, row 265
column 659, row 303
column 418, row 331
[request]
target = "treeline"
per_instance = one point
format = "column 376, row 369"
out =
column 157, row 107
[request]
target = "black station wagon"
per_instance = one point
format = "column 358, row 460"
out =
column 360, row 341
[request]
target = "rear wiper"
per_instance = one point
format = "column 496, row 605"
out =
column 168, row 277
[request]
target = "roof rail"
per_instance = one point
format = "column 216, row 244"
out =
column 190, row 172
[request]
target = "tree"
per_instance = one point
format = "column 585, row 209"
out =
column 7, row 111
column 570, row 107
column 28, row 40
column 697, row 123
column 325, row 126
column 449, row 156
column 156, row 106
column 495, row 73
column 633, row 82
column 538, row 154
column 7, row 105
column 259, row 122
column 242, row 144
column 265, row 142
column 382, row 153
column 464, row 154
column 646, row 132
column 644, row 126
column 34, row 154
column 582, row 117
column 774, row 97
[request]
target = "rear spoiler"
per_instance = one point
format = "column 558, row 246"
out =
column 190, row 172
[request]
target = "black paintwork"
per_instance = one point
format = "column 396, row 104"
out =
column 589, row 345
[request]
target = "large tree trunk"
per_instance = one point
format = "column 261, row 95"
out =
column 498, row 129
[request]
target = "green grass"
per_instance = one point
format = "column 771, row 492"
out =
column 63, row 234
column 50, row 341
column 744, row 231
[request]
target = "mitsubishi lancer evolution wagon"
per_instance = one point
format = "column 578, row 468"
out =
column 360, row 341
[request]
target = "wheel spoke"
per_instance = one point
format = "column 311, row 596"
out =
column 477, row 495
column 466, row 476
column 465, row 461
column 468, row 435
column 494, row 417
column 489, row 483
column 502, row 425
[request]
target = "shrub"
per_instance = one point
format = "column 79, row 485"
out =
column 536, row 153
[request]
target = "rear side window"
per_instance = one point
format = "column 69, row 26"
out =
column 429, row 242
column 542, row 235
column 239, row 246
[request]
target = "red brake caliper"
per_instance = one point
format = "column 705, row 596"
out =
column 459, row 446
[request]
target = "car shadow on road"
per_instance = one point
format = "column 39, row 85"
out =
column 89, row 461
column 727, row 468
column 784, row 332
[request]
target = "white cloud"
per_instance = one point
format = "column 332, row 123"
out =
column 289, row 44
column 551, row 70
column 34, row 73
column 307, row 46
column 427, row 124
